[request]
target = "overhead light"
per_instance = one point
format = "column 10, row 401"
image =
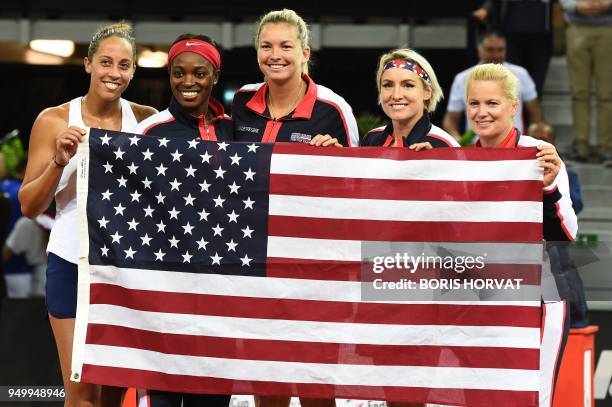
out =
column 152, row 59
column 41, row 58
column 61, row 48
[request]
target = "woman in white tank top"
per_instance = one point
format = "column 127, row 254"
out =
column 51, row 173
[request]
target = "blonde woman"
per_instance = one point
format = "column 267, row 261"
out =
column 491, row 96
column 408, row 92
column 289, row 105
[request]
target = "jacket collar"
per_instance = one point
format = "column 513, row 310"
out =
column 420, row 129
column 182, row 116
column 303, row 110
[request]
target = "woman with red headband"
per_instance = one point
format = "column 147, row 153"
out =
column 408, row 92
column 194, row 65
column 51, row 174
column 288, row 105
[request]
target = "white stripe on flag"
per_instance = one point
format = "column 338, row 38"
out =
column 416, row 211
column 319, row 373
column 245, row 286
column 378, row 168
column 315, row 331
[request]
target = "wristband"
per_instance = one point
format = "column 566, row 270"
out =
column 58, row 164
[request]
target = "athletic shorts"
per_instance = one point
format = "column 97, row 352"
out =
column 61, row 287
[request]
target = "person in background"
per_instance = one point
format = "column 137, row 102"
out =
column 51, row 173
column 194, row 66
column 589, row 41
column 408, row 92
column 491, row 49
column 527, row 26
column 289, row 105
column 29, row 239
column 566, row 273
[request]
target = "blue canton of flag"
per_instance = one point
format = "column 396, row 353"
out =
column 176, row 204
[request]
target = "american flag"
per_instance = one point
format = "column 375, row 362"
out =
column 213, row 267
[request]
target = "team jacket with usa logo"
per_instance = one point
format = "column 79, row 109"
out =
column 176, row 122
column 320, row 111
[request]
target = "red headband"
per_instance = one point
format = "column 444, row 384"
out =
column 207, row 50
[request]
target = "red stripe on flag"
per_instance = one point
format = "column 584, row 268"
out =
column 467, row 153
column 387, row 230
column 412, row 190
column 312, row 310
column 314, row 352
column 279, row 267
column 190, row 384
column 313, row 269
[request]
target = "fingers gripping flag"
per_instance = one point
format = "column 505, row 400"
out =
column 212, row 267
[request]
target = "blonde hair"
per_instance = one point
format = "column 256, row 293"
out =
column 494, row 72
column 120, row 29
column 289, row 17
column 409, row 55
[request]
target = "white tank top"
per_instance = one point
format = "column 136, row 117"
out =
column 64, row 237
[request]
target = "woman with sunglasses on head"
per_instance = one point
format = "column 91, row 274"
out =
column 408, row 92
column 51, row 173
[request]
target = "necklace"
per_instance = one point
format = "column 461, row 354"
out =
column 92, row 117
column 284, row 112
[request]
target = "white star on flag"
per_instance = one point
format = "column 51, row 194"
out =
column 253, row 148
column 161, row 170
column 105, row 139
column 206, row 157
column 108, row 167
column 217, row 229
column 174, row 242
column 176, row 156
column 145, row 239
column 231, row 246
column 163, row 142
column 103, row 222
column 116, row 237
column 119, row 154
column 249, row 175
column 106, row 195
column 132, row 167
column 216, row 259
column 174, row 213
column 193, row 143
column 189, row 200
column 148, row 211
column 246, row 261
column 235, row 159
column 148, row 155
column 129, row 253
column 202, row 244
column 119, row 209
column 248, row 203
column 247, row 231
column 220, row 171
column 234, row 188
column 132, row 224
column 159, row 255
column 134, row 140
